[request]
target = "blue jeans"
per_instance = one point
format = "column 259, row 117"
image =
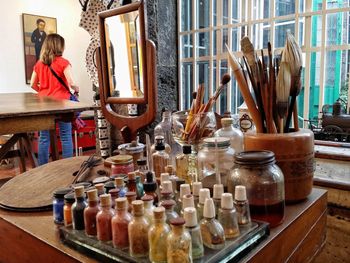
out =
column 66, row 141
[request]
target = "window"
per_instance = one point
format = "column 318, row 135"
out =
column 322, row 28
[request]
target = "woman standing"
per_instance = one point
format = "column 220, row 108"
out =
column 45, row 80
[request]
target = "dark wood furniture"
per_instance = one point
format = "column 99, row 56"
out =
column 21, row 113
column 29, row 237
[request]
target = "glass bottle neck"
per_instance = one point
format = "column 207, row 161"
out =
column 178, row 229
column 93, row 203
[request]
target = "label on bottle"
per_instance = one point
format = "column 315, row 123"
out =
column 245, row 122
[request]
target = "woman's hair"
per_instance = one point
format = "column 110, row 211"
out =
column 53, row 46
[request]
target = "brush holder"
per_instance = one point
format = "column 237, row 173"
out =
column 294, row 154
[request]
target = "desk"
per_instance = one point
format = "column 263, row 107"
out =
column 21, row 113
column 33, row 237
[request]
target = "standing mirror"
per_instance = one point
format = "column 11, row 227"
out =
column 126, row 67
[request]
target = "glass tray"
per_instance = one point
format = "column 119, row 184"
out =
column 234, row 249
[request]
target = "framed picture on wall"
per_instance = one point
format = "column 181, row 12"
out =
column 35, row 30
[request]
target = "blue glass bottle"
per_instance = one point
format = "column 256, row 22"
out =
column 58, row 203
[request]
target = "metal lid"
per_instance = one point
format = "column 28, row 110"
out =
column 186, row 149
column 221, row 142
column 255, row 158
column 121, row 159
column 149, row 185
column 132, row 147
column 61, row 192
column 141, row 161
column 226, row 121
column 69, row 198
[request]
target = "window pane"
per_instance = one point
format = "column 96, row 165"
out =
column 301, row 31
column 281, row 31
column 261, row 35
column 235, row 11
column 300, row 98
column 224, row 40
column 316, row 5
column 203, row 44
column 314, row 85
column 337, row 29
column 187, row 46
column 202, row 14
column 224, row 12
column 214, row 7
column 187, row 84
column 301, row 6
column 261, row 9
column 216, row 37
column 285, row 7
column 316, row 33
column 337, row 3
column 236, row 96
column 203, row 77
column 213, row 84
column 186, row 15
column 235, row 40
column 223, row 96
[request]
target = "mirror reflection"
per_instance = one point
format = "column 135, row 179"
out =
column 124, row 55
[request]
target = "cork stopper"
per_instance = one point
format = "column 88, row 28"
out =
column 167, row 186
column 204, row 193
column 159, row 212
column 164, row 177
column 79, row 191
column 240, row 193
column 92, row 195
column 187, row 201
column 121, row 203
column 169, row 169
column 132, row 176
column 190, row 215
column 218, row 191
column 100, row 188
column 179, row 221
column 119, row 182
column 105, row 200
column 209, row 208
column 226, row 201
column 184, row 190
column 196, row 186
column 137, row 207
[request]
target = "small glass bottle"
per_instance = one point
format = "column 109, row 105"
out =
column 120, row 223
column 160, row 159
column 186, row 167
column 90, row 213
column 67, row 209
column 158, row 138
column 228, row 217
column 109, row 186
column 190, row 216
column 150, row 187
column 185, row 189
column 114, row 195
column 157, row 235
column 58, row 203
column 100, row 189
column 172, row 175
column 187, row 201
column 196, row 187
column 169, row 210
column 119, row 182
column 228, row 131
column 138, row 231
column 212, row 232
column 242, row 205
column 179, row 244
column 139, row 187
column 148, row 207
column 167, row 191
column 130, row 196
column 78, row 208
column 217, row 192
column 104, row 219
column 179, row 182
column 131, row 183
column 163, row 177
column 204, row 193
column 142, row 165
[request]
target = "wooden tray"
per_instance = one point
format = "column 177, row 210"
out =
column 234, row 250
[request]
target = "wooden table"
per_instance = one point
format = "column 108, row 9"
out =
column 21, row 113
column 33, row 237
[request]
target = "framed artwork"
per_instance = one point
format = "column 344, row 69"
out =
column 35, row 30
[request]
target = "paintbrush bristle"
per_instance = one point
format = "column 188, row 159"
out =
column 283, row 85
column 225, row 79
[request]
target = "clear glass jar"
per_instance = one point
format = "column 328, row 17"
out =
column 122, row 164
column 228, row 131
column 179, row 244
column 210, row 155
column 264, row 183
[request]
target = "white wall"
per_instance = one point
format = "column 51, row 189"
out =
column 67, row 12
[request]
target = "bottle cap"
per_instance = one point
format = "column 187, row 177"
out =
column 167, row 186
column 255, row 158
column 92, row 195
column 190, row 215
column 179, row 182
column 221, row 142
column 61, row 192
column 100, row 188
column 164, row 177
column 121, row 203
column 196, row 186
column 240, row 193
column 114, row 192
column 141, row 162
column 186, row 149
column 79, row 191
column 137, row 207
column 209, row 208
column 160, row 146
column 179, row 221
column 132, row 176
column 204, row 193
column 105, row 200
column 147, row 198
column 218, row 191
column 119, row 182
column 100, row 180
column 130, row 196
column 159, row 212
column 149, row 185
column 169, row 169
column 184, row 190
column 187, row 201
column 109, row 186
column 168, row 203
column 226, row 201
column 69, row 198
column 226, row 121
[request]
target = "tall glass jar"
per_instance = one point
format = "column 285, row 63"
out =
column 263, row 179
column 215, row 151
column 179, row 244
column 228, row 131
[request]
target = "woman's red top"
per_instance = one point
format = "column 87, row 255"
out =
column 48, row 83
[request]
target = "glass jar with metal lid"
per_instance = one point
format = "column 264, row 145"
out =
column 215, row 155
column 122, row 164
column 264, row 182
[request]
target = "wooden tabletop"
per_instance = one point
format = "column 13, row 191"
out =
column 29, row 237
column 29, row 104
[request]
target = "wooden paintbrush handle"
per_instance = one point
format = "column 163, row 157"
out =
column 295, row 117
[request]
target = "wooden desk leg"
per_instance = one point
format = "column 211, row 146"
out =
column 22, row 161
column 53, row 143
column 29, row 151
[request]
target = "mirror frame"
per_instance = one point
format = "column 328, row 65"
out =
column 137, row 6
